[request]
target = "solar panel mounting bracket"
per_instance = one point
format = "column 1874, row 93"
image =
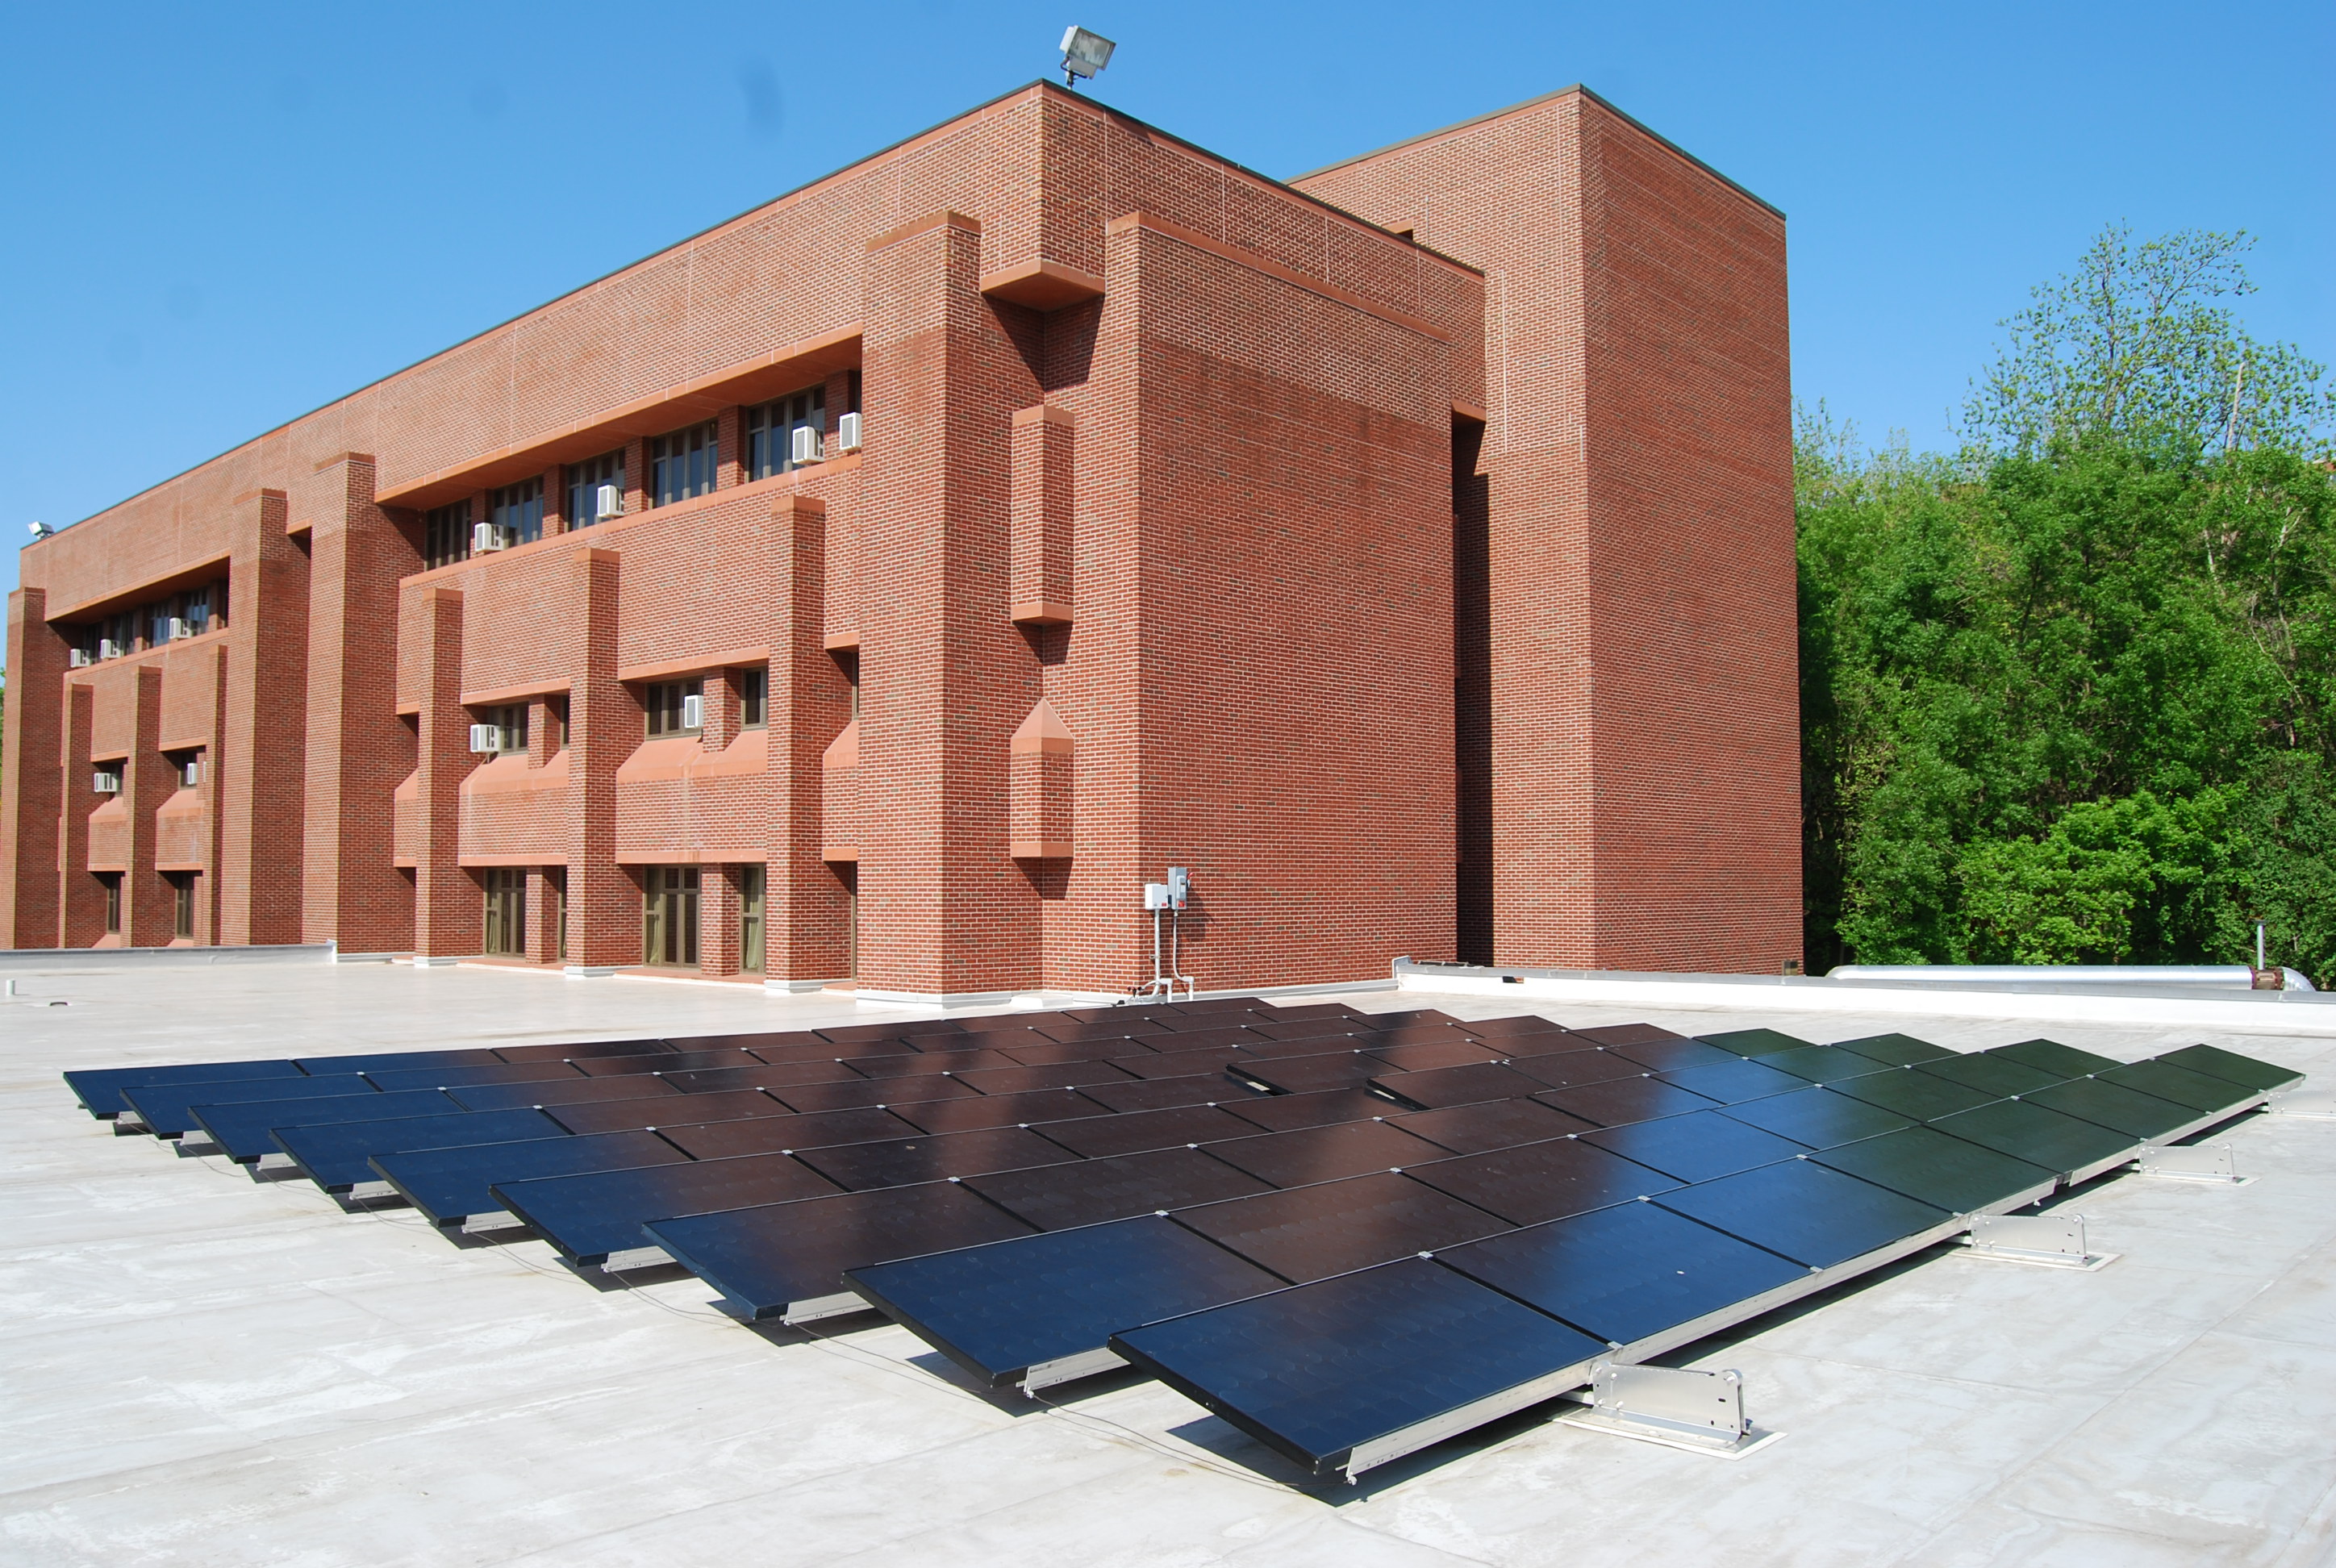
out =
column 2051, row 1241
column 813, row 1309
column 2211, row 1163
column 1678, row 1407
column 1068, row 1368
column 1434, row 1429
column 2320, row 1105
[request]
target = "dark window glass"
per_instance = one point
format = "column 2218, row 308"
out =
column 754, row 698
column 506, row 922
column 584, row 482
column 446, row 534
column 556, row 710
column 517, row 511
column 668, row 706
column 670, row 916
column 182, row 903
column 682, row 464
column 855, row 394
column 770, row 427
column 113, row 881
column 750, row 918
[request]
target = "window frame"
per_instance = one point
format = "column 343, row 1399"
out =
column 661, row 707
column 446, row 535
column 682, row 464
column 584, row 481
column 766, row 431
column 753, row 688
column 518, row 508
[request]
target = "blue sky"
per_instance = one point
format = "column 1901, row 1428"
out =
column 220, row 217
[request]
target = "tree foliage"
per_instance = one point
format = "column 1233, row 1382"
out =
column 2070, row 695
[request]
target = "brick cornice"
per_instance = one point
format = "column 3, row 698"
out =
column 1274, row 269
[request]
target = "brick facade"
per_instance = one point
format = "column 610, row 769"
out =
column 1406, row 551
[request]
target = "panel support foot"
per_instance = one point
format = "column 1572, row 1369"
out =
column 2052, row 1240
column 2191, row 1163
column 1701, row 1412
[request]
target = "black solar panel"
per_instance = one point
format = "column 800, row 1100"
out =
column 1536, row 1181
column 1733, row 1083
column 1458, row 1086
column 2179, row 1084
column 2061, row 1144
column 1895, row 1050
column 916, row 1064
column 163, row 1108
column 928, row 1157
column 449, row 1186
column 1502, row 1030
column 999, row 1309
column 964, row 1115
column 768, row 1260
column 1325, row 1153
column 1288, row 1113
column 843, row 1096
column 1564, row 1070
column 1160, row 1094
column 1419, row 1057
column 1944, row 1172
column 1624, row 1100
column 1624, row 1274
column 1309, row 1075
column 2221, row 1064
column 1822, row 1064
column 657, row 1110
column 1697, row 1147
column 2052, row 1056
column 667, row 1062
column 447, row 1077
column 771, row 1134
column 595, row 1214
column 1990, row 1075
column 1917, row 1096
column 773, row 1077
column 1669, row 1054
column 560, row 1092
column 573, row 1050
column 1136, row 1131
column 390, row 1061
column 1615, row 1036
column 1493, row 1124
column 2115, row 1106
column 1754, row 1042
column 335, row 1156
column 99, row 1089
column 1805, row 1212
column 1317, row 1372
column 243, row 1130
column 1817, row 1118
column 1312, row 1232
column 1057, row 1197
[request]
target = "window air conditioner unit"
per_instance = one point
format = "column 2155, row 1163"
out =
column 108, row 649
column 847, row 432
column 486, row 738
column 486, row 536
column 805, row 447
column 78, row 658
column 106, row 782
column 607, row 502
column 693, row 713
column 179, row 628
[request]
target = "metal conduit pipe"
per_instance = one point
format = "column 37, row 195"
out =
column 2230, row 977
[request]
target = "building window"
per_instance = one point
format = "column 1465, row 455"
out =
column 750, row 918
column 555, row 910
column 182, row 903
column 754, row 698
column 188, row 766
column 586, row 482
column 506, row 888
column 770, row 427
column 112, row 881
column 681, row 465
column 517, row 511
column 670, row 916
column 106, row 780
column 511, row 727
column 446, row 535
column 675, row 707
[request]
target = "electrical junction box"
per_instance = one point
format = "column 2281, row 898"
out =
column 1155, row 896
column 1180, row 887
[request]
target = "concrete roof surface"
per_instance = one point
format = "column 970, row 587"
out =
column 201, row 1368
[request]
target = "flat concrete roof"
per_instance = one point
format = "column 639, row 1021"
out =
column 204, row 1369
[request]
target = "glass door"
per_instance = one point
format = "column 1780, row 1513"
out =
column 669, row 922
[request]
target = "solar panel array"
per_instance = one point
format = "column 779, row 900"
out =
column 1349, row 1234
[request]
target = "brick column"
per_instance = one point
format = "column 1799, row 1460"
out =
column 352, row 892
column 944, row 677
column 147, row 781
column 805, row 907
column 721, row 711
column 543, row 915
column 35, row 791
column 604, row 726
column 555, row 502
column 718, row 920
column 80, row 899
column 262, row 769
column 637, row 476
column 207, row 892
column 448, row 915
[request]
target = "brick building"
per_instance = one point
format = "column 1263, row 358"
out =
column 888, row 582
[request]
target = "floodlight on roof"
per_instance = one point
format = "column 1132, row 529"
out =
column 1083, row 54
column 42, row 531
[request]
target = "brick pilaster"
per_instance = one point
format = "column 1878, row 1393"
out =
column 147, row 900
column 604, row 726
column 263, row 771
column 449, row 916
column 806, row 908
column 32, row 782
column 79, row 898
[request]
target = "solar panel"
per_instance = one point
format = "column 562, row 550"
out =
column 163, row 1108
column 1057, row 1197
column 1419, row 1057
column 579, row 1050
column 2113, row 1105
column 1805, row 1212
column 1626, row 1275
column 1822, row 1064
column 1696, row 1147
column 335, row 1156
column 1022, row 1309
column 1313, row 1043
column 1288, row 1113
column 2071, row 1149
column 1512, row 1027
column 1614, row 1037
column 1754, row 1042
column 787, row 1260
column 1352, row 1371
column 1324, row 1154
column 99, row 1089
column 1055, row 1076
column 1309, row 1075
column 1990, row 1075
column 1944, row 1172
column 242, row 1130
column 447, row 1077
column 1458, row 1086
column 2168, row 1082
column 1493, row 1125
column 1918, row 1096
column 450, row 1185
column 1733, row 1083
column 1817, row 1118
column 774, row 1077
column 964, row 1115
column 561, row 1091
column 665, row 1062
column 2052, row 1056
column 1044, row 1053
column 592, row 1216
column 2221, row 1064
column 1123, row 1030
column 1564, row 1070
column 655, row 1111
column 1895, row 1050
column 1313, row 1232
column 1535, row 1181
column 1665, row 1055
column 928, row 1157
column 1624, row 1100
column 1136, row 1131
column 390, row 1061
column 771, row 1134
column 1162, row 1094
column 843, row 1096
column 771, row 1039
column 914, row 1063
column 1179, row 1063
